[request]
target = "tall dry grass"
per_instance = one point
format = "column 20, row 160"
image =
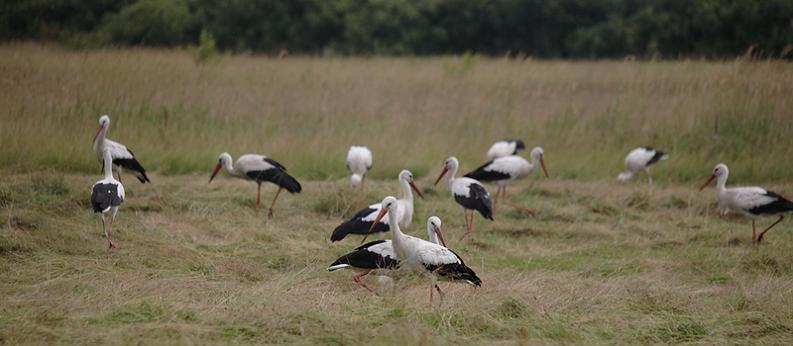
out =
column 305, row 112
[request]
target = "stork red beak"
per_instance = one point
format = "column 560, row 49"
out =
column 98, row 129
column 712, row 176
column 379, row 217
column 214, row 172
column 441, row 176
column 415, row 188
column 439, row 232
column 542, row 163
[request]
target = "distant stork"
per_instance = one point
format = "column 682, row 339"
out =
column 106, row 196
column 359, row 161
column 123, row 158
column 505, row 148
column 641, row 159
column 504, row 170
column 363, row 220
column 468, row 193
column 753, row 202
column 379, row 256
column 258, row 168
column 426, row 257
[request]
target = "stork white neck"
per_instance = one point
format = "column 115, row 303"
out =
column 107, row 160
column 407, row 192
column 452, row 166
column 225, row 160
column 721, row 180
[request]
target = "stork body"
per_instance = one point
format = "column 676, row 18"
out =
column 106, row 197
column 363, row 221
column 123, row 158
column 258, row 168
column 377, row 256
column 468, row 193
column 503, row 148
column 504, row 170
column 640, row 159
column 426, row 257
column 753, row 202
column 359, row 161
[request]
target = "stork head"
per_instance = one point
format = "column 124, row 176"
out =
column 434, row 232
column 537, row 154
column 624, row 176
column 450, row 164
column 387, row 205
column 719, row 171
column 104, row 122
column 407, row 177
column 224, row 159
column 356, row 180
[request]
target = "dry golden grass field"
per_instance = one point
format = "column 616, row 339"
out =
column 599, row 263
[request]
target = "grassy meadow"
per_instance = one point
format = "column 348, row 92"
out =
column 599, row 263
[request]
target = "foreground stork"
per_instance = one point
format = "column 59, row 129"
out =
column 505, row 148
column 106, row 196
column 378, row 256
column 359, row 161
column 123, row 158
column 640, row 159
column 752, row 202
column 468, row 193
column 426, row 257
column 258, row 168
column 504, row 170
column 363, row 221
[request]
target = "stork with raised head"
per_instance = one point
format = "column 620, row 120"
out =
column 640, row 159
column 378, row 256
column 753, row 202
column 106, row 196
column 123, row 158
column 505, row 148
column 363, row 221
column 258, row 168
column 426, row 257
column 359, row 161
column 504, row 170
column 468, row 193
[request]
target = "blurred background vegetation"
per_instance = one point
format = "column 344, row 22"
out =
column 538, row 28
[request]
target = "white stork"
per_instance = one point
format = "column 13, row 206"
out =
column 641, row 159
column 379, row 256
column 504, row 170
column 107, row 195
column 258, row 168
column 505, row 148
column 359, row 161
column 426, row 257
column 363, row 221
column 468, row 193
column 753, row 202
column 123, row 158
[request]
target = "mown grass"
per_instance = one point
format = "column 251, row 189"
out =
column 195, row 266
column 305, row 112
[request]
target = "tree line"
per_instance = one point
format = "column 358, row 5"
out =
column 539, row 28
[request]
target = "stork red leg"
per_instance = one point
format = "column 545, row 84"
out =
column 495, row 200
column 272, row 204
column 357, row 279
column 109, row 233
column 754, row 234
column 258, row 196
column 760, row 236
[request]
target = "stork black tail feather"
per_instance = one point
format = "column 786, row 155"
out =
column 459, row 272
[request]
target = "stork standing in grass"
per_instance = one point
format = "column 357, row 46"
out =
column 505, row 148
column 359, row 161
column 468, row 193
column 363, row 221
column 123, row 158
column 753, row 202
column 426, row 257
column 106, row 196
column 640, row 159
column 258, row 168
column 504, row 170
column 379, row 257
